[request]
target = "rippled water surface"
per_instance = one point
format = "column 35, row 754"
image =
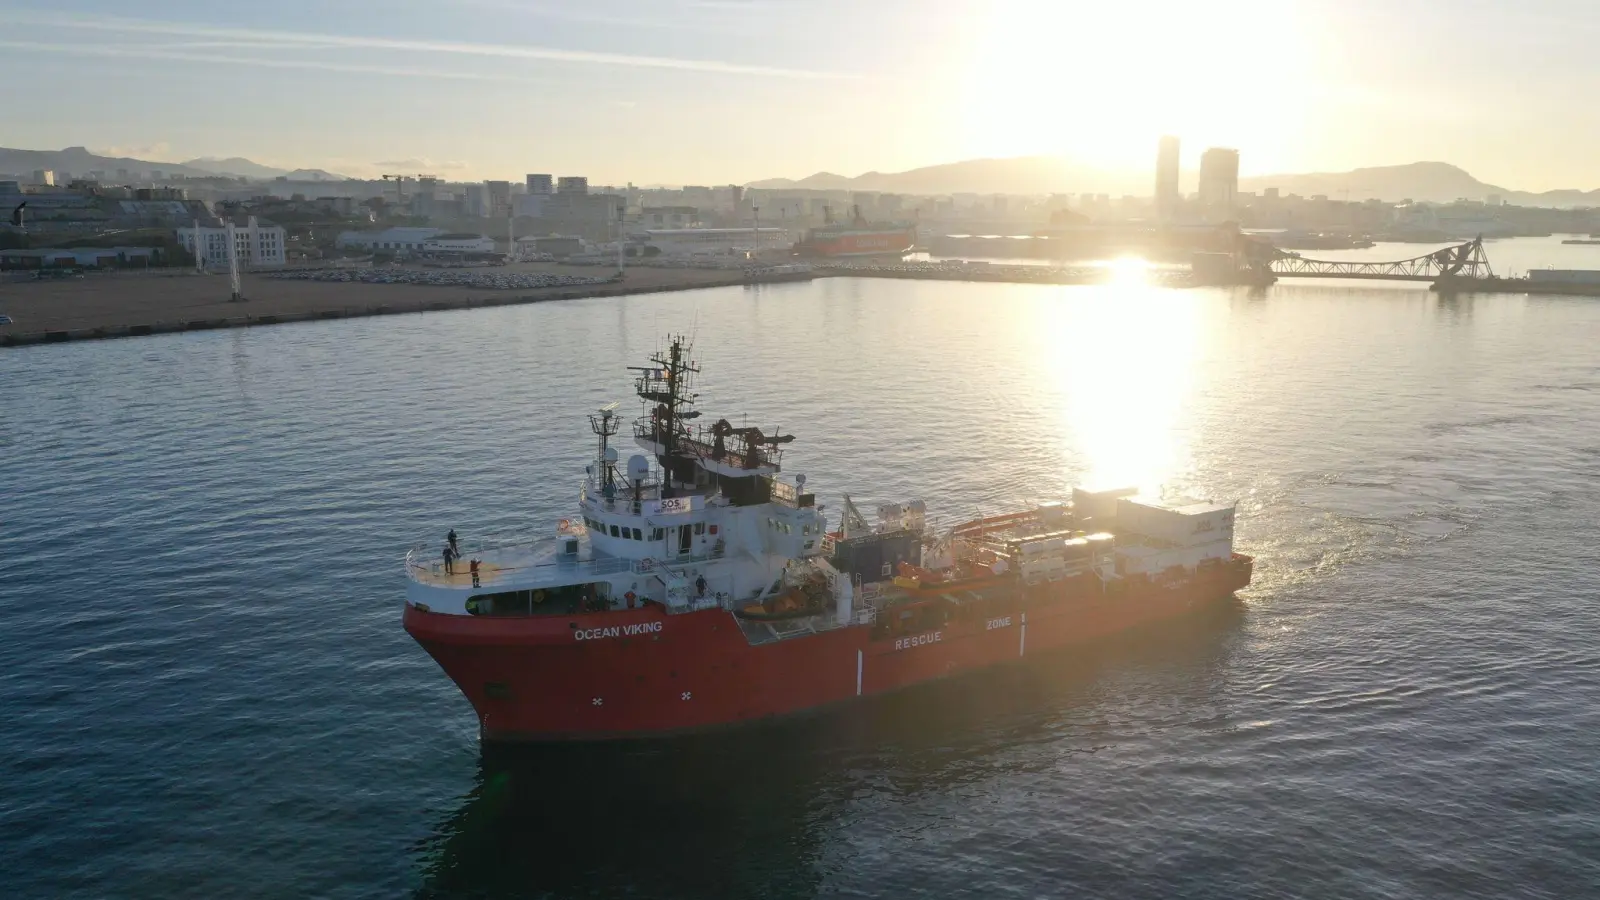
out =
column 206, row 691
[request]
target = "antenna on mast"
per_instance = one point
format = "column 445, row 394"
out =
column 604, row 423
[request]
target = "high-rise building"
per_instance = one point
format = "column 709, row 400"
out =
column 475, row 202
column 1167, row 179
column 424, row 196
column 572, row 184
column 540, row 184
column 499, row 198
column 1219, row 180
column 44, row 177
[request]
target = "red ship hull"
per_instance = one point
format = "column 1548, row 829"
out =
column 639, row 673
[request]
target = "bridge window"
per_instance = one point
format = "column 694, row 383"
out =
column 614, row 532
column 657, row 534
column 638, row 535
column 700, row 528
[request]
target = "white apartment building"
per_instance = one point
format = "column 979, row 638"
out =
column 254, row 244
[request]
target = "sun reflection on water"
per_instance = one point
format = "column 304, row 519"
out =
column 1127, row 270
column 1123, row 361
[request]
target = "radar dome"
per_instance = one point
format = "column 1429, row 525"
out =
column 638, row 467
column 611, row 454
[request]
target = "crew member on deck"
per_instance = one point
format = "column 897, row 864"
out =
column 454, row 547
column 700, row 585
column 473, row 565
column 449, row 560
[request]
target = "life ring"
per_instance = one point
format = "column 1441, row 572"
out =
column 564, row 525
column 538, row 596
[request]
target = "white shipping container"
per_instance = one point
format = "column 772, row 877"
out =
column 1151, row 521
column 1185, row 525
column 1208, row 525
column 1100, row 506
column 1043, row 568
column 1052, row 513
column 1042, row 548
column 1137, row 559
column 1150, row 560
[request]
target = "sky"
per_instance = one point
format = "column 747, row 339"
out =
column 730, row 91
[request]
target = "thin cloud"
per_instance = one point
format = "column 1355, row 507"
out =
column 564, row 14
column 422, row 164
column 354, row 68
column 500, row 51
column 732, row 5
column 145, row 151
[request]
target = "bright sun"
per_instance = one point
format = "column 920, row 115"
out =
column 1127, row 270
column 1098, row 82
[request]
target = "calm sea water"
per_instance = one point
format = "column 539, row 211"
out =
column 206, row 691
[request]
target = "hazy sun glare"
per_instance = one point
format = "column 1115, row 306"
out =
column 1124, row 361
column 1099, row 82
column 1128, row 270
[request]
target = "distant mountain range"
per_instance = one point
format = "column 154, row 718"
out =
column 79, row 161
column 239, row 167
column 1017, row 175
column 1434, row 182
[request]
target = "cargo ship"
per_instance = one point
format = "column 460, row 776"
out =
column 858, row 238
column 695, row 586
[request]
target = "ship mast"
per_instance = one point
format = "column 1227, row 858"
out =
column 604, row 424
column 666, row 384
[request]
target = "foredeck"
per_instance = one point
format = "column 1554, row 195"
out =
column 523, row 563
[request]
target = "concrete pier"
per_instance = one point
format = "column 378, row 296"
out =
column 101, row 306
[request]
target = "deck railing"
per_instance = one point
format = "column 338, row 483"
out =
column 424, row 564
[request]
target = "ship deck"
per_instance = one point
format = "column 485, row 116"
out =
column 523, row 563
column 759, row 632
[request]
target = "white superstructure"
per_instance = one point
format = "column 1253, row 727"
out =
column 703, row 520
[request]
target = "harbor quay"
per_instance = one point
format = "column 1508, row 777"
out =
column 134, row 304
column 102, row 306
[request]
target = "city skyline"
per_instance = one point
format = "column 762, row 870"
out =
column 713, row 91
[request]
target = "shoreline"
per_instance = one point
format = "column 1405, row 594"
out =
column 105, row 307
